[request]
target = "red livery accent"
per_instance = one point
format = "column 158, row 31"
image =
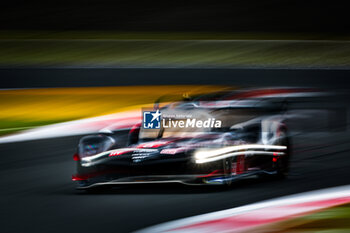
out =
column 240, row 164
column 214, row 173
column 155, row 144
column 78, row 177
column 76, row 157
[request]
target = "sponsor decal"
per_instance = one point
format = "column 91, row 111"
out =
column 172, row 151
column 140, row 155
column 155, row 144
column 121, row 151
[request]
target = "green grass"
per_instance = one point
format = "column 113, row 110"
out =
column 120, row 35
column 334, row 219
column 111, row 49
column 174, row 53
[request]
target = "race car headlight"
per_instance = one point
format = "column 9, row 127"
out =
column 92, row 145
column 210, row 155
column 93, row 148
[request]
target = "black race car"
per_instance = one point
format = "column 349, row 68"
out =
column 252, row 140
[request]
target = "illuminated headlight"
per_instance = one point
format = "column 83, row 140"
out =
column 93, row 148
column 95, row 157
column 210, row 155
column 92, row 145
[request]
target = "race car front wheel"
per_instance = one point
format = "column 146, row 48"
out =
column 282, row 164
column 227, row 171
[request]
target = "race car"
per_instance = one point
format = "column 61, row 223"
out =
column 252, row 139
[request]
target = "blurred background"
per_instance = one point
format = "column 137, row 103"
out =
column 168, row 34
column 68, row 61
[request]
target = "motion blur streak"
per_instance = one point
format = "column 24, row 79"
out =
column 211, row 159
column 89, row 69
column 23, row 108
column 255, row 216
column 35, row 174
column 201, row 154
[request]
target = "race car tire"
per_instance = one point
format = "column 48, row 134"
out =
column 282, row 164
column 227, row 170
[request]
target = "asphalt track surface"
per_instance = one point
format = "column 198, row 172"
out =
column 37, row 195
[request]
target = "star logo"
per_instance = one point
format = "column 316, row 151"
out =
column 156, row 115
column 151, row 119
